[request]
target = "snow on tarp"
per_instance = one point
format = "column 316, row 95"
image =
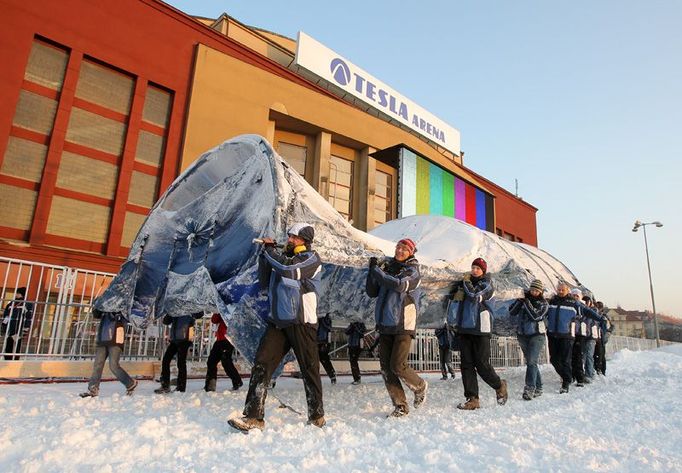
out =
column 195, row 252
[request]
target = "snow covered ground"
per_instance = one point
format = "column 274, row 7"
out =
column 629, row 421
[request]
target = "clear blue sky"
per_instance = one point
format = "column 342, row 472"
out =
column 579, row 101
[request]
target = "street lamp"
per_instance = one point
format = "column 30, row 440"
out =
column 648, row 265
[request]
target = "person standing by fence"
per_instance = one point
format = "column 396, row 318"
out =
column 16, row 319
column 181, row 338
column 110, row 338
column 355, row 333
column 324, row 332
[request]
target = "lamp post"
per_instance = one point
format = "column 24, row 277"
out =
column 639, row 224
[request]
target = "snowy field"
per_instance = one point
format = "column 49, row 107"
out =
column 629, row 421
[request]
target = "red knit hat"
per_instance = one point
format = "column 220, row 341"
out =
column 409, row 244
column 480, row 262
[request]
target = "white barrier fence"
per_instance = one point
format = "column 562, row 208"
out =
column 60, row 325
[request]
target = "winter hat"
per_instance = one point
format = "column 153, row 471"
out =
column 480, row 262
column 302, row 230
column 409, row 244
column 22, row 291
column 576, row 292
column 537, row 284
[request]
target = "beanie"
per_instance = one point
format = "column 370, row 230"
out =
column 576, row 292
column 302, row 230
column 480, row 262
column 409, row 244
column 537, row 284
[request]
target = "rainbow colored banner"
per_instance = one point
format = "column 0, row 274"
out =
column 427, row 189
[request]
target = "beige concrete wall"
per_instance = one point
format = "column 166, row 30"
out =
column 71, row 369
column 230, row 97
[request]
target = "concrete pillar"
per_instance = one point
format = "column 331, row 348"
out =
column 270, row 132
column 323, row 145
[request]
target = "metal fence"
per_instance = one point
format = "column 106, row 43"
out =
column 61, row 326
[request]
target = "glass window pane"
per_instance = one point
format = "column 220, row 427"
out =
column 87, row 175
column 35, row 112
column 16, row 206
column 295, row 155
column 24, row 159
column 76, row 219
column 149, row 148
column 143, row 189
column 105, row 87
column 157, row 105
column 341, row 171
column 94, row 131
column 46, row 65
column 132, row 224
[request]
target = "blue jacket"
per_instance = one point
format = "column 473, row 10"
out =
column 324, row 329
column 532, row 315
column 588, row 322
column 468, row 311
column 356, row 332
column 182, row 328
column 17, row 316
column 293, row 285
column 443, row 336
column 111, row 331
column 395, row 285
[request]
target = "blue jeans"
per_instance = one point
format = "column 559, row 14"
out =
column 101, row 355
column 532, row 347
column 588, row 356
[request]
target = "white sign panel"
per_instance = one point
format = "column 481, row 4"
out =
column 333, row 68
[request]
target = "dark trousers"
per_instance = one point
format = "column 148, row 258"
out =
column 12, row 346
column 600, row 357
column 180, row 349
column 475, row 358
column 221, row 352
column 354, row 356
column 393, row 353
column 274, row 345
column 445, row 356
column 323, row 352
column 560, row 353
column 577, row 365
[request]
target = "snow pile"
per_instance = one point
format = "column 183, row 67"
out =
column 628, row 421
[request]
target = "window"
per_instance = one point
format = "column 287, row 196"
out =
column 341, row 185
column 383, row 195
column 295, row 155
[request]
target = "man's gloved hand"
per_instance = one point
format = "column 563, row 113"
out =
column 268, row 242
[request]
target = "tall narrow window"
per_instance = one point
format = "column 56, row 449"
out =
column 341, row 185
column 383, row 197
column 295, row 155
column 22, row 165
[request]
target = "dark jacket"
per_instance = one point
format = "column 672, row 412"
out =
column 531, row 314
column 562, row 316
column 17, row 316
column 111, row 330
column 588, row 322
column 356, row 332
column 182, row 328
column 468, row 310
column 443, row 336
column 293, row 282
column 395, row 285
column 324, row 329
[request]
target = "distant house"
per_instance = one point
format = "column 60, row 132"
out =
column 629, row 323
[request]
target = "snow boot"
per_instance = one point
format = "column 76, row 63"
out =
column 244, row 424
column 538, row 392
column 210, row 385
column 452, row 376
column 444, row 377
column 470, row 404
column 235, row 387
column 164, row 389
column 502, row 393
column 580, row 384
column 564, row 389
column 319, row 422
column 420, row 396
column 333, row 379
column 356, row 382
column 399, row 411
column 131, row 388
column 90, row 393
column 528, row 393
